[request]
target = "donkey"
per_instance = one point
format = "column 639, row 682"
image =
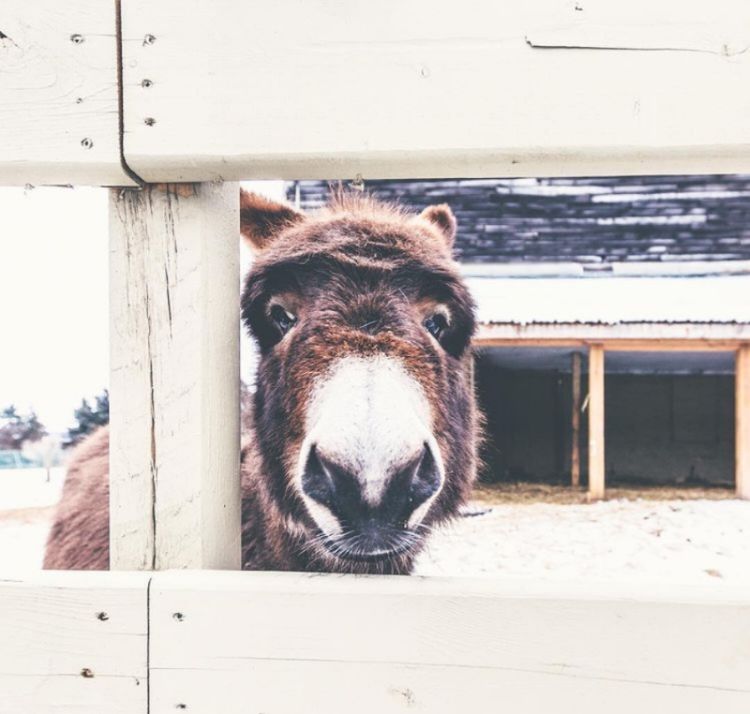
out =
column 364, row 429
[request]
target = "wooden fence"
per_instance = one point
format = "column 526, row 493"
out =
column 137, row 95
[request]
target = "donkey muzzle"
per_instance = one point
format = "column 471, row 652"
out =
column 370, row 467
column 337, row 488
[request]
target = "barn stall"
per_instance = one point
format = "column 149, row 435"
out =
column 144, row 97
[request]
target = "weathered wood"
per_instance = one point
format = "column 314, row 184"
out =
column 288, row 643
column 575, row 421
column 175, row 499
column 57, row 627
column 742, row 422
column 323, row 91
column 59, row 113
column 596, row 422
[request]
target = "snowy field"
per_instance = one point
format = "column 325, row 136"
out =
column 676, row 541
column 679, row 541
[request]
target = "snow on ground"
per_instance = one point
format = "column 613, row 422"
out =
column 26, row 505
column 679, row 541
column 675, row 541
column 28, row 488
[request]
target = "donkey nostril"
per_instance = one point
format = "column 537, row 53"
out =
column 316, row 482
column 426, row 479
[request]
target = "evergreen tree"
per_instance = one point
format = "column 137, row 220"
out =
column 88, row 418
column 17, row 429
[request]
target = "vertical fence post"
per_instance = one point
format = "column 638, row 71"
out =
column 596, row 422
column 742, row 423
column 174, row 444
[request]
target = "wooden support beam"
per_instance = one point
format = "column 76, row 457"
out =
column 652, row 344
column 742, row 423
column 596, row 422
column 575, row 421
column 174, row 451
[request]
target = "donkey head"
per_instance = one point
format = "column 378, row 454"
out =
column 364, row 411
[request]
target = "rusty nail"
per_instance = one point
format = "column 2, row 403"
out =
column 77, row 39
column 86, row 673
column 149, row 121
column 87, row 143
column 149, row 40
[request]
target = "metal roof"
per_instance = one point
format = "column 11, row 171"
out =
column 612, row 301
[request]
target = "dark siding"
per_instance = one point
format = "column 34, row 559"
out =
column 512, row 220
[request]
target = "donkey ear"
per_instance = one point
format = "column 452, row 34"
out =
column 261, row 219
column 442, row 218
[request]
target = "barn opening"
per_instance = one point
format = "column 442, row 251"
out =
column 669, row 416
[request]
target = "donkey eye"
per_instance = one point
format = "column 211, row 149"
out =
column 436, row 325
column 284, row 320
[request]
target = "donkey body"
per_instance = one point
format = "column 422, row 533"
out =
column 364, row 430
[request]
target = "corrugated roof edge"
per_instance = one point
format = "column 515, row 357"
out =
column 693, row 269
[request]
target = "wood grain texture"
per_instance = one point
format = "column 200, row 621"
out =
column 597, row 463
column 317, row 89
column 289, row 643
column 59, row 113
column 174, row 392
column 52, row 630
column 742, row 422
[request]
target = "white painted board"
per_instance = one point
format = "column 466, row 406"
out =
column 262, row 642
column 413, row 88
column 174, row 387
column 59, row 113
column 52, row 630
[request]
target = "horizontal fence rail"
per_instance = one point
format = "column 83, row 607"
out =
column 318, row 89
column 199, row 91
column 59, row 103
column 286, row 643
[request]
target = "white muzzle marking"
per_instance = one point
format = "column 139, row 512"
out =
column 369, row 415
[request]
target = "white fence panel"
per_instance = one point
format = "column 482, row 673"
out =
column 407, row 88
column 59, row 106
column 75, row 643
column 235, row 642
column 174, row 345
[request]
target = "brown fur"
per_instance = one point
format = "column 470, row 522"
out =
column 79, row 538
column 360, row 275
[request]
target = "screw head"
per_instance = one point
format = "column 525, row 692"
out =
column 146, row 83
column 149, row 121
column 87, row 143
column 77, row 39
column 149, row 39
column 86, row 673
column 178, row 616
column 103, row 616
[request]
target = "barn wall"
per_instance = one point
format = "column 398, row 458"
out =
column 662, row 429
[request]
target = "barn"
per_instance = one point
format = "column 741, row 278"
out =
column 612, row 311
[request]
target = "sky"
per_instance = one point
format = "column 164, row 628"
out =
column 54, row 301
